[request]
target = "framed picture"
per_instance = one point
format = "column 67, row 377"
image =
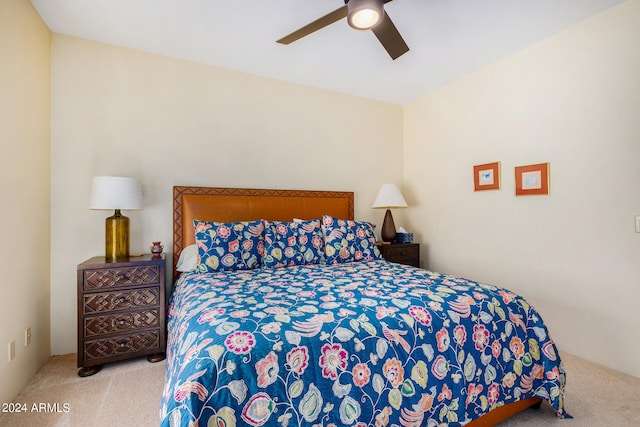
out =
column 532, row 179
column 486, row 177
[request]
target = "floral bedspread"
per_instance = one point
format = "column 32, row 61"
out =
column 356, row 344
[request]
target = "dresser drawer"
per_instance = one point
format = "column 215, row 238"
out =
column 106, row 278
column 121, row 345
column 121, row 322
column 402, row 253
column 102, row 302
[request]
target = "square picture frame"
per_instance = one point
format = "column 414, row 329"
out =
column 532, row 180
column 486, row 176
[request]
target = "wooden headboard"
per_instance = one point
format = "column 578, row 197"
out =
column 245, row 204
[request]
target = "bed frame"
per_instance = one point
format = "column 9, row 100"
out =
column 243, row 204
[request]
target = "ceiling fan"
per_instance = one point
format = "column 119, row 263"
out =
column 361, row 15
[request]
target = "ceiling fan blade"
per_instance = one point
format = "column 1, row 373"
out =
column 390, row 38
column 316, row 25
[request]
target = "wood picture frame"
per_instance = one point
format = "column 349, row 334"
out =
column 486, row 176
column 532, row 180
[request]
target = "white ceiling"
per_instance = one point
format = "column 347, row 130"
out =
column 448, row 38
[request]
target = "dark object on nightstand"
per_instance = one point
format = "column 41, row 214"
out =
column 402, row 253
column 121, row 311
column 404, row 238
column 388, row 232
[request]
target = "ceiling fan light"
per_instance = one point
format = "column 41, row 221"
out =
column 365, row 19
column 364, row 14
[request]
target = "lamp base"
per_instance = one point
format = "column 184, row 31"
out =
column 388, row 232
column 117, row 238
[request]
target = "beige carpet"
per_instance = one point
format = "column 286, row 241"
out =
column 128, row 394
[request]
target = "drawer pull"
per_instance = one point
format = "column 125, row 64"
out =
column 122, row 321
column 122, row 300
column 123, row 344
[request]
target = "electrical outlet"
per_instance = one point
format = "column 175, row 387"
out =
column 27, row 336
column 12, row 350
column 637, row 223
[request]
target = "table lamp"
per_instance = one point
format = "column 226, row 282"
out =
column 114, row 192
column 389, row 197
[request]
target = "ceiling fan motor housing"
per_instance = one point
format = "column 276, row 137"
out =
column 364, row 14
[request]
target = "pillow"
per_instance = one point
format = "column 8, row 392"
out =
column 188, row 260
column 229, row 246
column 292, row 243
column 348, row 241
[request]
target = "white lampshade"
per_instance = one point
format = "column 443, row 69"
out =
column 115, row 192
column 389, row 196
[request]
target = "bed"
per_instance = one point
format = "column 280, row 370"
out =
column 289, row 338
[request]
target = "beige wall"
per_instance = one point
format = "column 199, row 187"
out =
column 572, row 100
column 24, row 179
column 170, row 122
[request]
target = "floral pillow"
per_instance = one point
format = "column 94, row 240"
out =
column 229, row 246
column 292, row 243
column 348, row 241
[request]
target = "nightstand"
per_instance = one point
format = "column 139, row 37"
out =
column 121, row 311
column 402, row 253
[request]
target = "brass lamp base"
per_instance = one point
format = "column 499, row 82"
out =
column 388, row 232
column 117, row 238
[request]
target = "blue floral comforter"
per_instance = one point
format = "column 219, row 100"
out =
column 356, row 344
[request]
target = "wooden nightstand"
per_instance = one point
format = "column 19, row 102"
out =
column 402, row 253
column 121, row 311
